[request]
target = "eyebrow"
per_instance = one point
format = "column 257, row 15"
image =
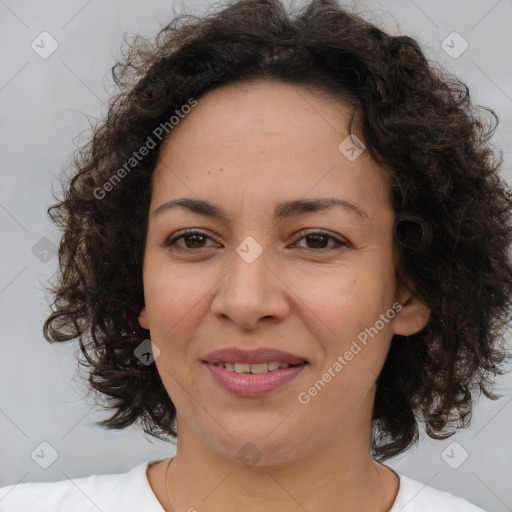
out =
column 282, row 210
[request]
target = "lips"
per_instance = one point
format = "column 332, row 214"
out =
column 257, row 384
column 255, row 356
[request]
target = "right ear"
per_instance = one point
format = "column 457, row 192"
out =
column 143, row 318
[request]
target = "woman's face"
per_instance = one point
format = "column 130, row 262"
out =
column 254, row 280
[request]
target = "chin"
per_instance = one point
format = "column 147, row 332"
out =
column 266, row 445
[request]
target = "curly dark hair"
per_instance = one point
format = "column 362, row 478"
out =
column 452, row 230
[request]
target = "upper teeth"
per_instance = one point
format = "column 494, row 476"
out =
column 253, row 368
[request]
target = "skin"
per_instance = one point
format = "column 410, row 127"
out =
column 245, row 148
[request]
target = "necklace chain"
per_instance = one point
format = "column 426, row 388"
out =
column 166, row 493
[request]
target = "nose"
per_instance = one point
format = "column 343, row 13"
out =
column 251, row 292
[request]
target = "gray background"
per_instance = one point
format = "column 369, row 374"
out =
column 45, row 106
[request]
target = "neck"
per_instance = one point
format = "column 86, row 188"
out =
column 316, row 480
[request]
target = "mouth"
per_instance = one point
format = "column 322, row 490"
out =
column 257, row 368
column 253, row 373
column 255, row 380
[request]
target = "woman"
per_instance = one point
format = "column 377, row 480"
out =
column 285, row 246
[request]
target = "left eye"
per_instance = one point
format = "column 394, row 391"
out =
column 319, row 238
column 196, row 238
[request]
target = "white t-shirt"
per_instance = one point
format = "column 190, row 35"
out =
column 131, row 492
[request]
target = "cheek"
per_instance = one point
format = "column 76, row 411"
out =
column 345, row 311
column 177, row 303
column 344, row 301
column 170, row 290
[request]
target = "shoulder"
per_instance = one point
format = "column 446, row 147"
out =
column 418, row 497
column 87, row 494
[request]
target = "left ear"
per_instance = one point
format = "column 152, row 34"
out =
column 412, row 317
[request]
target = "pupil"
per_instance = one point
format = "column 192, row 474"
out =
column 194, row 236
column 316, row 237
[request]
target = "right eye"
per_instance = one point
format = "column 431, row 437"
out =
column 190, row 236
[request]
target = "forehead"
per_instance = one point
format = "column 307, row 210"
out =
column 260, row 108
column 267, row 138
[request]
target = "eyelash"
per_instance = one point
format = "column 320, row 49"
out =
column 171, row 242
